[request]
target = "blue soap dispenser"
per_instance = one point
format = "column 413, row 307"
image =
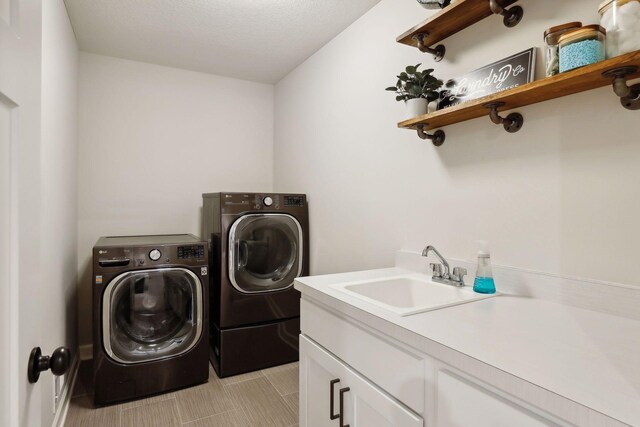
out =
column 484, row 283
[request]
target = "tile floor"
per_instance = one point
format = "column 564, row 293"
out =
column 262, row 398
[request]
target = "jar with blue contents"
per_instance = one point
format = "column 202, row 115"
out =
column 583, row 46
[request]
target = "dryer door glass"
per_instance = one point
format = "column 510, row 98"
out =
column 265, row 252
column 152, row 314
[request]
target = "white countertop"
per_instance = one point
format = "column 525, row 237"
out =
column 589, row 357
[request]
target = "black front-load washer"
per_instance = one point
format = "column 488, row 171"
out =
column 258, row 245
column 150, row 315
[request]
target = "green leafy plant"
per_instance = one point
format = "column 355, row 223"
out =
column 414, row 84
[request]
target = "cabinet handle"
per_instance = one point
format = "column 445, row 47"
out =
column 331, row 394
column 342, row 392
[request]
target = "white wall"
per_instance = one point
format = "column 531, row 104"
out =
column 560, row 196
column 58, row 241
column 152, row 140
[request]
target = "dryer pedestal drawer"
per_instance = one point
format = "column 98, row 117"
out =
column 250, row 348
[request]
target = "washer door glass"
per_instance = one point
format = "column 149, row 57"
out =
column 152, row 314
column 265, row 252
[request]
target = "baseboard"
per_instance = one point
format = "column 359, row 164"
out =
column 86, row 352
column 67, row 392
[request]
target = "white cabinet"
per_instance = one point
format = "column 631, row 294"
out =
column 332, row 394
column 383, row 383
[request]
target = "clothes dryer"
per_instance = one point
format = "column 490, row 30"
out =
column 258, row 245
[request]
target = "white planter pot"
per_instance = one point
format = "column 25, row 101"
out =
column 417, row 107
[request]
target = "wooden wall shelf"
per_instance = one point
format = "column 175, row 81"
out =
column 450, row 20
column 575, row 81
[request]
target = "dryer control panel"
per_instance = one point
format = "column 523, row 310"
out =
column 270, row 201
column 232, row 203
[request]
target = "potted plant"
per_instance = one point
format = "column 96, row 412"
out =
column 434, row 4
column 417, row 89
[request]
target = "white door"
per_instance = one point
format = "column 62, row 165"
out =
column 356, row 401
column 20, row 81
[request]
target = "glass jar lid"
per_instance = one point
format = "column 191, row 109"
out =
column 583, row 33
column 558, row 30
column 607, row 4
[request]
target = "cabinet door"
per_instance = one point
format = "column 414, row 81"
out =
column 317, row 383
column 363, row 404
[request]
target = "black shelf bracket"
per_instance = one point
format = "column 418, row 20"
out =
column 512, row 123
column 512, row 16
column 437, row 138
column 629, row 95
column 438, row 52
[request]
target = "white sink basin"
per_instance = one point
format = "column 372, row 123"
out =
column 406, row 295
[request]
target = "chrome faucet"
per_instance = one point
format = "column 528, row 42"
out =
column 425, row 252
column 440, row 276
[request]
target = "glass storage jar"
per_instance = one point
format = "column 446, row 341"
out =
column 551, row 38
column 621, row 19
column 581, row 47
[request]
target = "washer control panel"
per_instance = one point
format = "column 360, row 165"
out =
column 294, row 201
column 191, row 252
column 151, row 256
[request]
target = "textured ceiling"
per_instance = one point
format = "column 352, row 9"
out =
column 258, row 40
